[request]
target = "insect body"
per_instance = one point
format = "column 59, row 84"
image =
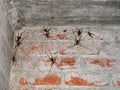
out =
column 90, row 34
column 19, row 39
column 64, row 30
column 46, row 32
column 52, row 60
column 79, row 32
column 14, row 59
column 78, row 37
column 77, row 41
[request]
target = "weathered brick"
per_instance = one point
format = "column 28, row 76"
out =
column 89, row 88
column 21, row 77
column 51, row 47
column 112, row 49
column 116, row 37
column 46, row 64
column 23, row 81
column 27, row 63
column 92, row 34
column 62, row 33
column 86, row 48
column 62, row 36
column 101, row 34
column 26, row 78
column 67, row 48
column 110, row 45
column 116, row 79
column 51, row 79
column 52, row 88
column 66, row 63
column 47, row 89
column 41, row 35
column 31, row 48
column 24, row 88
column 37, row 34
column 86, row 80
column 100, row 64
column 61, row 63
column 26, row 34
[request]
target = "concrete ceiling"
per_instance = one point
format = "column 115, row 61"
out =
column 65, row 12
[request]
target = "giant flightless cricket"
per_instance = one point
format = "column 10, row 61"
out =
column 46, row 32
column 18, row 41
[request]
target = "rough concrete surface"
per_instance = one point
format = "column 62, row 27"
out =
column 5, row 48
column 68, row 12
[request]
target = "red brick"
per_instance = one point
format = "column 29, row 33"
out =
column 106, row 34
column 68, row 48
column 61, row 63
column 61, row 34
column 49, row 89
column 46, row 64
column 23, row 81
column 88, row 47
column 48, row 80
column 38, row 78
column 112, row 49
column 27, row 63
column 118, row 83
column 37, row 34
column 27, row 35
column 85, row 80
column 67, row 63
column 24, row 88
column 98, row 35
column 51, row 47
column 116, row 79
column 31, row 49
column 55, row 34
column 34, row 48
column 95, row 64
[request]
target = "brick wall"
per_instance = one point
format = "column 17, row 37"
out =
column 56, row 62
